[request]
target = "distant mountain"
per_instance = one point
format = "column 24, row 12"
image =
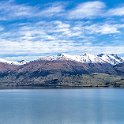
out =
column 119, row 68
column 66, row 66
column 87, row 58
column 13, row 62
column 111, row 58
column 21, row 62
column 5, row 67
column 64, row 70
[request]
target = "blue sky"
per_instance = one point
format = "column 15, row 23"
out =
column 33, row 28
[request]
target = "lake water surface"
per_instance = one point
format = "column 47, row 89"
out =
column 62, row 106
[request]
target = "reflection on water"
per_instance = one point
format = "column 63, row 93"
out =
column 62, row 106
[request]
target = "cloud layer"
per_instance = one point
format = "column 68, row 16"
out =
column 29, row 31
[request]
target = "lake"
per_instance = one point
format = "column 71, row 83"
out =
column 62, row 106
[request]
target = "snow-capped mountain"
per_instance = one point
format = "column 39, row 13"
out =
column 111, row 58
column 62, row 56
column 87, row 58
column 22, row 62
column 90, row 58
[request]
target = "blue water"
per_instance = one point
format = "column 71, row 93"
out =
column 62, row 106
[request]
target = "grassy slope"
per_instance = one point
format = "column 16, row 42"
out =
column 92, row 80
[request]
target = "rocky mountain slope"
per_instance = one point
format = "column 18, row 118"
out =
column 64, row 70
column 87, row 58
column 119, row 68
column 112, row 59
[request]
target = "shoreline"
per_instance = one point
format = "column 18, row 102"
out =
column 29, row 87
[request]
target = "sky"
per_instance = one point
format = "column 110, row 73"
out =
column 33, row 28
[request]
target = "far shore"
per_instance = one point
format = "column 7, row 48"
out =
column 74, row 87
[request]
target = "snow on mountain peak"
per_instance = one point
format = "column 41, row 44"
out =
column 61, row 56
column 90, row 58
column 111, row 58
column 13, row 62
column 87, row 58
column 84, row 58
column 22, row 62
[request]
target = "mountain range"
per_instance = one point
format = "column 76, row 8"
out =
column 84, row 58
column 64, row 70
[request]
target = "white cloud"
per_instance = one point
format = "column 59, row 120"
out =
column 54, row 9
column 71, row 50
column 108, row 29
column 60, row 24
column 87, row 10
column 36, row 49
column 116, row 12
column 23, row 57
column 79, row 32
column 9, row 10
column 62, row 34
column 55, row 37
column 103, row 28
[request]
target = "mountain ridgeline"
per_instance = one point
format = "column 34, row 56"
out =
column 64, row 71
